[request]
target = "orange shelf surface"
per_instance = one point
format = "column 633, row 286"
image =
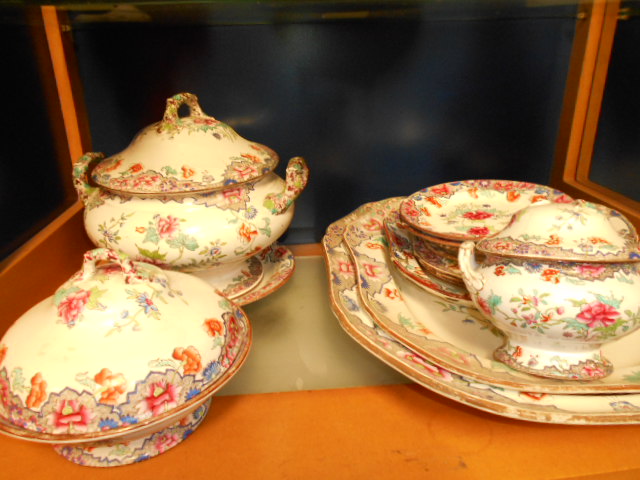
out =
column 381, row 432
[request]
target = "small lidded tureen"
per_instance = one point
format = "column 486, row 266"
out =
column 120, row 364
column 189, row 194
column 559, row 281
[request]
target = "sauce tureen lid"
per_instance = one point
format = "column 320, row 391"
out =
column 121, row 345
column 577, row 231
column 195, row 153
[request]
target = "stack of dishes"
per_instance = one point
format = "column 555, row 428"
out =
column 424, row 324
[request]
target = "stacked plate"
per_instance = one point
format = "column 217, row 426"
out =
column 422, row 322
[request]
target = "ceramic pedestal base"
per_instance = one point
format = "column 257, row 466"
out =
column 234, row 279
column 117, row 452
column 567, row 365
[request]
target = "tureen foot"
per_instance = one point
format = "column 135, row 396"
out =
column 117, row 452
column 588, row 364
column 234, row 279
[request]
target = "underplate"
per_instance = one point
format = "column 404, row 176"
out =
column 472, row 209
column 457, row 337
column 234, row 279
column 406, row 263
column 278, row 265
column 537, row 407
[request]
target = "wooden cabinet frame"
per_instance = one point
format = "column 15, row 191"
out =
column 586, row 82
column 54, row 252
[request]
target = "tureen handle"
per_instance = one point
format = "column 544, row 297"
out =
column 174, row 103
column 297, row 178
column 469, row 267
column 81, row 174
column 94, row 258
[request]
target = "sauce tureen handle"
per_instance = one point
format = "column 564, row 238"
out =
column 296, row 181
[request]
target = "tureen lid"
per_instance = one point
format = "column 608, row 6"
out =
column 184, row 154
column 121, row 345
column 580, row 230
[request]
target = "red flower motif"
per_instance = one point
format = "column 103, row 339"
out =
column 597, row 314
column 499, row 271
column 512, row 196
column 441, row 190
column 484, row 306
column 163, row 396
column 478, row 215
column 591, row 270
column 563, row 199
column 551, row 275
column 71, row 307
column 114, row 385
column 247, row 233
column 3, row 352
column 188, row 172
column 167, row 226
column 165, row 442
column 478, row 231
column 190, row 357
column 70, row 414
column 136, row 168
column 213, row 327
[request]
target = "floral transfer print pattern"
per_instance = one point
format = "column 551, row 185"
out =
column 575, row 273
column 107, row 400
column 473, row 208
column 598, row 318
column 112, row 453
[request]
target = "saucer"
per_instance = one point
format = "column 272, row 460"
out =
column 234, row 279
column 457, row 337
column 406, row 263
column 472, row 209
column 278, row 265
column 544, row 407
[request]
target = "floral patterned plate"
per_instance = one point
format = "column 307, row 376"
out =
column 277, row 264
column 405, row 261
column 234, row 280
column 458, row 337
column 537, row 407
column 472, row 209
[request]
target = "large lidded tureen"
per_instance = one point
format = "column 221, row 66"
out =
column 559, row 281
column 120, row 364
column 189, row 194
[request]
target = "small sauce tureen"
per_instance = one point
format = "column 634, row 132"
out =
column 559, row 281
column 120, row 363
column 188, row 194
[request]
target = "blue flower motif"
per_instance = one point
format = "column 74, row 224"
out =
column 142, row 458
column 210, row 370
column 128, row 420
column 187, row 433
column 107, row 424
column 251, row 212
column 192, row 393
column 145, row 302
